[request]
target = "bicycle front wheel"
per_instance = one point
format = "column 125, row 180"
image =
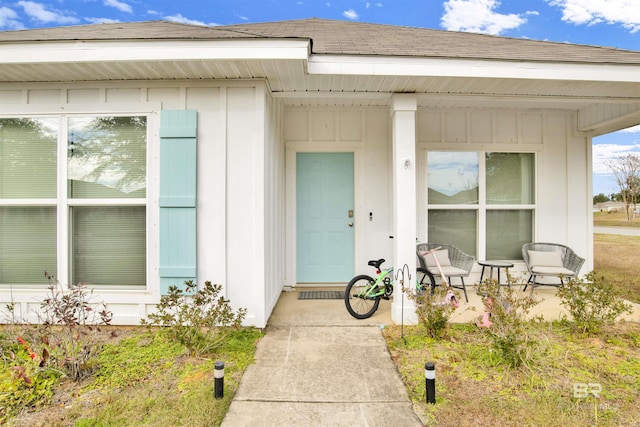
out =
column 359, row 304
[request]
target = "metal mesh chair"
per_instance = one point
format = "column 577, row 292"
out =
column 456, row 263
column 550, row 259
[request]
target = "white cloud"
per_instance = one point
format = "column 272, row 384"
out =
column 350, row 14
column 9, row 19
column 122, row 7
column 183, row 20
column 39, row 12
column 632, row 129
column 478, row 16
column 592, row 12
column 604, row 153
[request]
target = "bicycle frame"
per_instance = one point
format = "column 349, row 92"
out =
column 381, row 287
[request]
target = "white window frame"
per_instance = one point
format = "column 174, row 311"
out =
column 482, row 206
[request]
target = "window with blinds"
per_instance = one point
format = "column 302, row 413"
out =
column 100, row 209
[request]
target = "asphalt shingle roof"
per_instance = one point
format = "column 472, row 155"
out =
column 332, row 37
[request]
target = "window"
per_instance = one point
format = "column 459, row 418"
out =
column 489, row 203
column 95, row 216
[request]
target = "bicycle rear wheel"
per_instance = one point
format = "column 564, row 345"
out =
column 358, row 304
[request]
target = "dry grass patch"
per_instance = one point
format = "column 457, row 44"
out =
column 614, row 219
column 617, row 259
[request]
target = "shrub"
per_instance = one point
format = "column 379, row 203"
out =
column 508, row 331
column 433, row 309
column 200, row 319
column 70, row 328
column 592, row 303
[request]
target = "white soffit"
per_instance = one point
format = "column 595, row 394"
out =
column 452, row 67
column 171, row 50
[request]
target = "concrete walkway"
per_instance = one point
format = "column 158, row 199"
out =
column 317, row 366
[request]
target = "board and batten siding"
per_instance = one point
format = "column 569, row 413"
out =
column 238, row 131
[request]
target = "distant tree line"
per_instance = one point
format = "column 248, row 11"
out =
column 601, row 198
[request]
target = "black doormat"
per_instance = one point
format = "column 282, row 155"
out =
column 321, row 295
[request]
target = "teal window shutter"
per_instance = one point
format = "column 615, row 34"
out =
column 178, row 132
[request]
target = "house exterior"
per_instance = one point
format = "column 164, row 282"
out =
column 609, row 207
column 135, row 156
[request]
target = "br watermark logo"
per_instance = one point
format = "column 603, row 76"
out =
column 584, row 390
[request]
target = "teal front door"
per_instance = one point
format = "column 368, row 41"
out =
column 325, row 223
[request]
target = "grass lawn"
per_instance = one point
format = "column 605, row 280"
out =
column 614, row 219
column 617, row 259
column 552, row 389
column 143, row 380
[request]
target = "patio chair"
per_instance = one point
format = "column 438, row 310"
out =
column 453, row 261
column 550, row 259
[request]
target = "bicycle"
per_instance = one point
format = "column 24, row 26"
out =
column 363, row 293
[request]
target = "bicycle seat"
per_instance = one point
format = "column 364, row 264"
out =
column 376, row 263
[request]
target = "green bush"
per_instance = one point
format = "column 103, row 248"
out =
column 200, row 319
column 592, row 302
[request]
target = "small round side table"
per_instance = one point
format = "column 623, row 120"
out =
column 497, row 265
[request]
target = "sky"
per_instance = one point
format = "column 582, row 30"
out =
column 611, row 23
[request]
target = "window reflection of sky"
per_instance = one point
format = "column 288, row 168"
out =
column 49, row 127
column 98, row 162
column 452, row 172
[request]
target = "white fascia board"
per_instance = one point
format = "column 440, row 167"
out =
column 453, row 67
column 151, row 50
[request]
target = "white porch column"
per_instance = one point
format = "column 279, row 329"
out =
column 403, row 119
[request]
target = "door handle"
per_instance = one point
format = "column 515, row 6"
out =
column 351, row 224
